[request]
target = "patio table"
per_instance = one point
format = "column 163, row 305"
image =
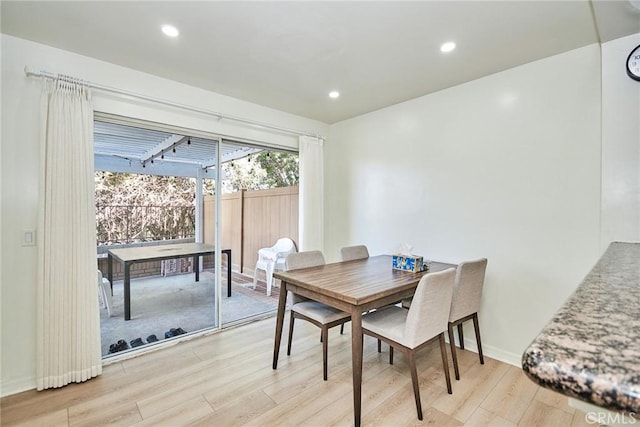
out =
column 132, row 255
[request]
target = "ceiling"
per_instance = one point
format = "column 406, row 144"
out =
column 289, row 55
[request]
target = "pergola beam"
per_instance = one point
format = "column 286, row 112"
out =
column 235, row 155
column 171, row 142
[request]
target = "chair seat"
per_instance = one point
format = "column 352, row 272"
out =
column 319, row 312
column 388, row 321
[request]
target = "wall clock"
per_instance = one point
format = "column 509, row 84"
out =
column 633, row 64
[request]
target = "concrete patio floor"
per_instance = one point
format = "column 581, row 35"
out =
column 159, row 304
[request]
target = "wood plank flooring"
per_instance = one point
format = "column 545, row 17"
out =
column 225, row 379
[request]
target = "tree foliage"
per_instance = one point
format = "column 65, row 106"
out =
column 261, row 171
column 133, row 207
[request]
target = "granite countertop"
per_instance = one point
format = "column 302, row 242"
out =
column 591, row 348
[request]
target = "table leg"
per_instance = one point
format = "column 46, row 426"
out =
column 127, row 289
column 282, row 304
column 228, row 273
column 196, row 266
column 110, row 271
column 356, row 362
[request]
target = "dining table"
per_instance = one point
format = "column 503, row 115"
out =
column 135, row 254
column 354, row 287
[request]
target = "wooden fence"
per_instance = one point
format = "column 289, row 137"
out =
column 252, row 220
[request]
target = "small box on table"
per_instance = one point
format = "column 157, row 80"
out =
column 412, row 263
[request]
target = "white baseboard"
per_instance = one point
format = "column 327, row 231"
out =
column 8, row 388
column 494, row 353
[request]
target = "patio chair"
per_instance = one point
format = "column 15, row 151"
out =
column 273, row 259
column 104, row 292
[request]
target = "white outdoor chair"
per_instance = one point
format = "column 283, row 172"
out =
column 273, row 259
column 104, row 293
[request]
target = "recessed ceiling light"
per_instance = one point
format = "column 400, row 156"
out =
column 447, row 47
column 334, row 94
column 170, row 30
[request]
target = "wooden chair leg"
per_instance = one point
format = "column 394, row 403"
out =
column 291, row 319
column 476, row 326
column 454, row 356
column 390, row 355
column 460, row 336
column 445, row 362
column 342, row 329
column 379, row 346
column 325, row 351
column 414, row 380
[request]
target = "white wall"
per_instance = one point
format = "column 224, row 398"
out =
column 620, row 144
column 505, row 167
column 20, row 166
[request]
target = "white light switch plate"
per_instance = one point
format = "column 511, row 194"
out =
column 28, row 237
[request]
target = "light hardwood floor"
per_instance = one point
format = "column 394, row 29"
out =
column 225, row 379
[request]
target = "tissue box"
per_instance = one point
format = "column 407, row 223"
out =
column 408, row 263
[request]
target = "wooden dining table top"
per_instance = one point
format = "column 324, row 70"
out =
column 360, row 281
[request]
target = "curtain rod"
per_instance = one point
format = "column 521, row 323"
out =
column 219, row 116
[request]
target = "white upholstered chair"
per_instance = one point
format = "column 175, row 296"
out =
column 104, row 293
column 467, row 294
column 410, row 330
column 273, row 259
column 349, row 253
column 315, row 312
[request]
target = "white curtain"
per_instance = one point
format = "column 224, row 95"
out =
column 68, row 330
column 311, row 197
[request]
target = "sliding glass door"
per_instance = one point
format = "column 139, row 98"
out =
column 161, row 190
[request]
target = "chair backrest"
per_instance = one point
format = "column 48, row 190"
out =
column 350, row 253
column 429, row 312
column 297, row 260
column 467, row 290
column 284, row 245
column 304, row 259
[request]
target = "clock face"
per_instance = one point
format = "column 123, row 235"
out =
column 633, row 64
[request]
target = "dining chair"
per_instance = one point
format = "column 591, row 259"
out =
column 272, row 259
column 465, row 304
column 350, row 253
column 317, row 313
column 410, row 330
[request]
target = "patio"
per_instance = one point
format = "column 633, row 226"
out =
column 159, row 303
